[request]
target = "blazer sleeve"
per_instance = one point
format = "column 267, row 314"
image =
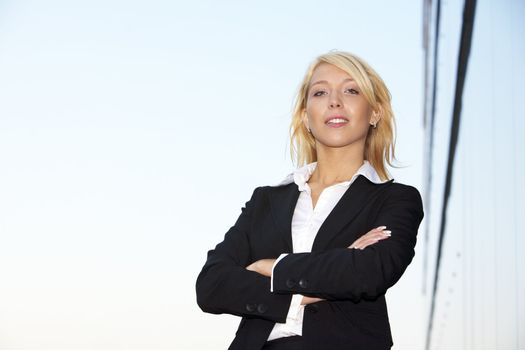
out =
column 225, row 286
column 342, row 273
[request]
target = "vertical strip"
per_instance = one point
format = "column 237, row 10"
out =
column 464, row 52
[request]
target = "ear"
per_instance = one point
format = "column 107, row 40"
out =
column 376, row 117
column 305, row 119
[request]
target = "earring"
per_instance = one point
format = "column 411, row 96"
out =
column 374, row 124
column 310, row 131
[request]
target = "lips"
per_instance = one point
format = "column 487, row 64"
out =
column 336, row 119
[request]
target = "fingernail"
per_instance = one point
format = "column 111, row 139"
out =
column 381, row 228
column 387, row 233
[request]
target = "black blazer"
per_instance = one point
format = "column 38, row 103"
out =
column 353, row 282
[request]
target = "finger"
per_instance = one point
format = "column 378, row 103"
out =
column 366, row 243
column 375, row 239
column 378, row 232
column 377, row 229
column 362, row 240
column 356, row 243
column 370, row 240
column 373, row 235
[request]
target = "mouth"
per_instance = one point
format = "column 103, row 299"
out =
column 336, row 120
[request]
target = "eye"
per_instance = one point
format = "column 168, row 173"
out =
column 353, row 91
column 318, row 93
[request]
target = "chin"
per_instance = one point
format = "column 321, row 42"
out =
column 334, row 144
column 338, row 143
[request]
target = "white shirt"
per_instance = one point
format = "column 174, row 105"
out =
column 306, row 221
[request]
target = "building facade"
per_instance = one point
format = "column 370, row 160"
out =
column 474, row 274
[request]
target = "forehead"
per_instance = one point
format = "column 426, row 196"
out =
column 326, row 72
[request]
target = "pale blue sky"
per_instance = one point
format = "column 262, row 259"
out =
column 131, row 134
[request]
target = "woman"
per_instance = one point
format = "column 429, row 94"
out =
column 307, row 263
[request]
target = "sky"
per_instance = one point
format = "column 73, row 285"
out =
column 132, row 133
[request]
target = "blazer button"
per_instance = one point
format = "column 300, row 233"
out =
column 290, row 283
column 303, row 283
column 262, row 308
column 314, row 308
column 251, row 307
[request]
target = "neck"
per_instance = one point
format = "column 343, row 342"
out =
column 337, row 164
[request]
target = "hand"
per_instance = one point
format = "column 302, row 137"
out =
column 310, row 300
column 263, row 266
column 371, row 237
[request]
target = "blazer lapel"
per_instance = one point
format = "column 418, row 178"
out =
column 282, row 204
column 283, row 200
column 350, row 204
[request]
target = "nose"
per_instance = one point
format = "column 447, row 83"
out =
column 335, row 102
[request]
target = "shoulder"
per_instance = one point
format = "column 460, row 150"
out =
column 404, row 189
column 390, row 188
column 406, row 196
column 266, row 189
column 266, row 193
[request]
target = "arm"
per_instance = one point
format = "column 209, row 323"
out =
column 265, row 266
column 342, row 273
column 225, row 285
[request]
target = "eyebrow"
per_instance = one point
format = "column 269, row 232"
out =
column 325, row 82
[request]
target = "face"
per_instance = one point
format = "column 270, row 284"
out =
column 337, row 112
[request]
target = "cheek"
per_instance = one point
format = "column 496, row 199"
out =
column 362, row 112
column 313, row 110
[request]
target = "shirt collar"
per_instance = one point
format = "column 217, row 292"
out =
column 301, row 175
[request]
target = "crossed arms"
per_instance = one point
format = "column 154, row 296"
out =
column 230, row 283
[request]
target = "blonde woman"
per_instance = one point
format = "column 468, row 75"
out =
column 308, row 262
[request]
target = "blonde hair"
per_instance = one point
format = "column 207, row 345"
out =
column 379, row 145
